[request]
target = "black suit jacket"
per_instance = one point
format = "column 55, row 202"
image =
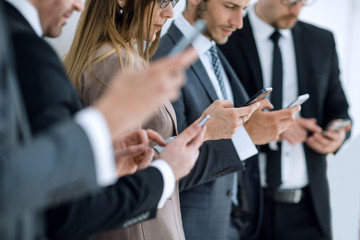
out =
column 205, row 194
column 318, row 75
column 49, row 99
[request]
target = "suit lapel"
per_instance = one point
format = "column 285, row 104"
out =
column 169, row 108
column 300, row 53
column 198, row 68
column 248, row 45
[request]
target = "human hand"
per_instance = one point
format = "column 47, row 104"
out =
column 133, row 96
column 298, row 132
column 181, row 154
column 264, row 127
column 225, row 119
column 327, row 142
column 132, row 151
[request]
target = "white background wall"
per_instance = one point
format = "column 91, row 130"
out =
column 343, row 18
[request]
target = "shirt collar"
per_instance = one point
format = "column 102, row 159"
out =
column 30, row 13
column 263, row 30
column 202, row 44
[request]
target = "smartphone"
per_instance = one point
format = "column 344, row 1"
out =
column 184, row 43
column 299, row 100
column 258, row 96
column 338, row 125
column 204, row 120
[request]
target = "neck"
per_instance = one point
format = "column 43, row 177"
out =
column 259, row 12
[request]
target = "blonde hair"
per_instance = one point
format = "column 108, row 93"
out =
column 101, row 23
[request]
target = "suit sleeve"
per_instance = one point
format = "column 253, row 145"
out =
column 48, row 94
column 336, row 104
column 212, row 162
column 132, row 199
column 53, row 168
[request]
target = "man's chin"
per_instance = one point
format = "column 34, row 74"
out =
column 221, row 41
column 53, row 33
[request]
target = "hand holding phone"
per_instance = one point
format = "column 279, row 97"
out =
column 258, row 96
column 338, row 125
column 299, row 100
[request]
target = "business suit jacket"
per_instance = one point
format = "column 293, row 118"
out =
column 205, row 194
column 26, row 164
column 167, row 224
column 50, row 99
column 318, row 75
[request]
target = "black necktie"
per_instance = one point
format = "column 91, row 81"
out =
column 273, row 169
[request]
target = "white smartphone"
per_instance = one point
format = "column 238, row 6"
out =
column 299, row 100
column 204, row 120
column 184, row 43
column 338, row 125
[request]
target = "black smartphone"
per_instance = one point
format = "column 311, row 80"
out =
column 299, row 100
column 258, row 96
column 338, row 125
column 184, row 43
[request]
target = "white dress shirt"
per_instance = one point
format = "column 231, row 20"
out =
column 293, row 162
column 95, row 127
column 242, row 142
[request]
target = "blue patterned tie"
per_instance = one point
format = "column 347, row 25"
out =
column 215, row 61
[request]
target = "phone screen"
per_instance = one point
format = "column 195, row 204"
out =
column 258, row 96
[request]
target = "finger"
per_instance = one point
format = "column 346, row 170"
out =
column 187, row 57
column 254, row 106
column 285, row 123
column 295, row 109
column 322, row 139
column 155, row 137
column 130, row 151
column 148, row 156
column 198, row 139
column 246, row 111
column 176, row 62
column 265, row 104
column 143, row 137
column 310, row 125
column 286, row 113
column 225, row 103
column 189, row 133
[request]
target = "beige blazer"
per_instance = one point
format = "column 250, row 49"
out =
column 167, row 225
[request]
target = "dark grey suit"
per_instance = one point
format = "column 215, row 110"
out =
column 57, row 166
column 205, row 195
column 28, row 180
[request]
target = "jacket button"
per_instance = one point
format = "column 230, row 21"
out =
column 230, row 193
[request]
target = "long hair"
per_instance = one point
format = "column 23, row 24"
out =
column 101, row 23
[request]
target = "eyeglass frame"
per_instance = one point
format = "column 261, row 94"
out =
column 288, row 3
column 165, row 3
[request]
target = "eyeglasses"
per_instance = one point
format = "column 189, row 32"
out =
column 290, row 3
column 165, row 3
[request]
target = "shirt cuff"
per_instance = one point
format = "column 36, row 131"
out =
column 96, row 129
column 169, row 180
column 243, row 144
